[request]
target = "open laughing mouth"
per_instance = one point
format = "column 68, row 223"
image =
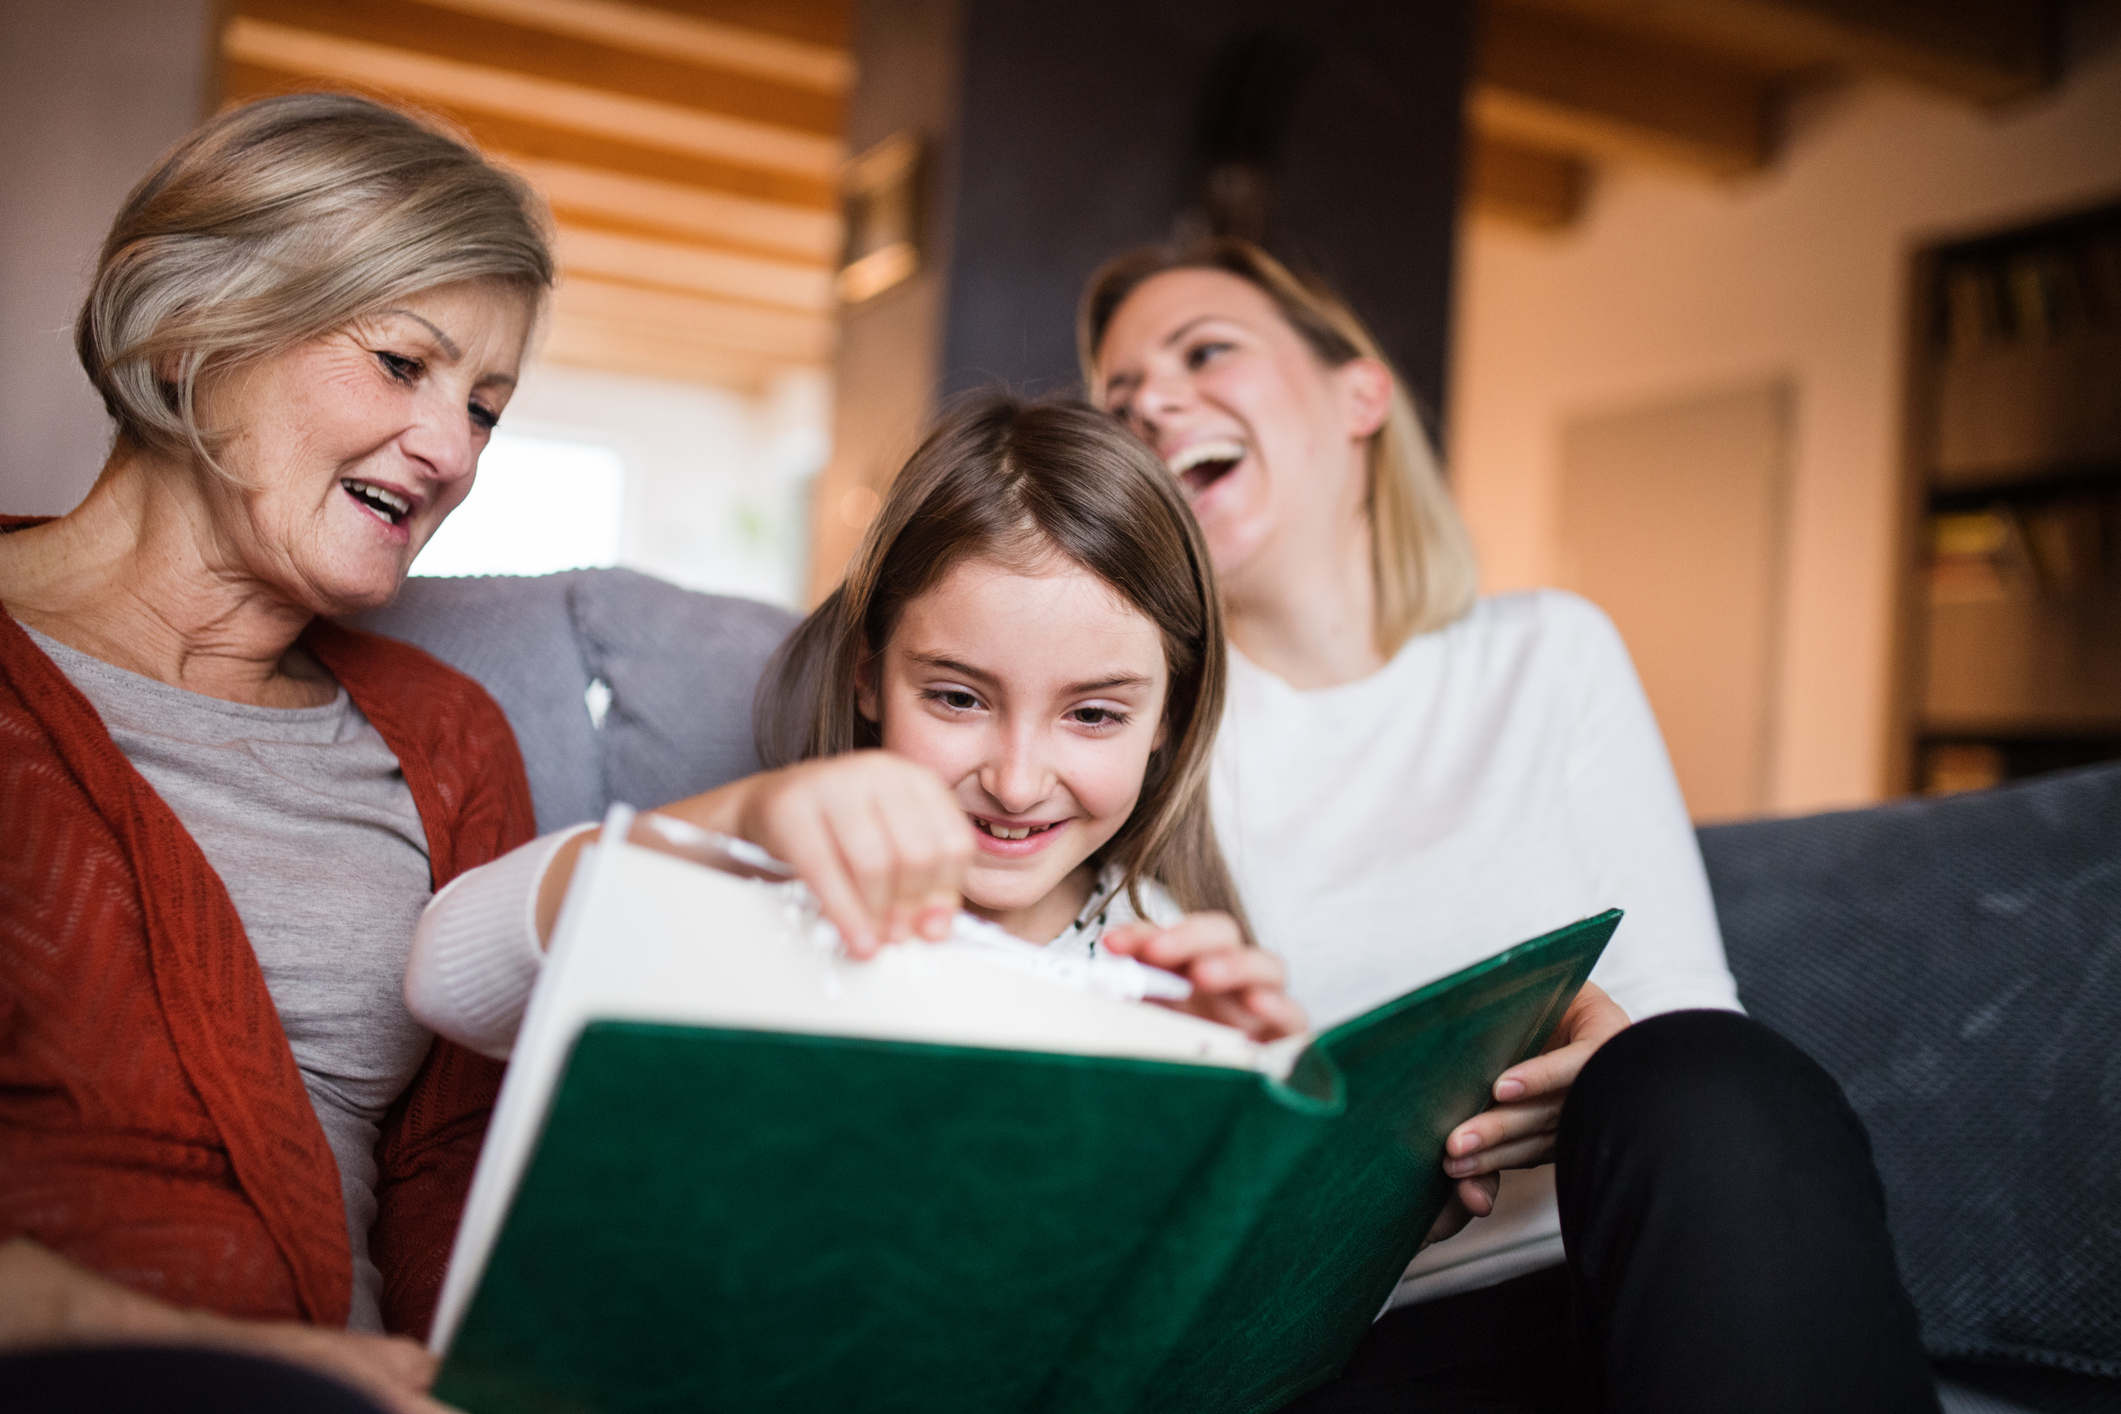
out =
column 1204, row 463
column 387, row 506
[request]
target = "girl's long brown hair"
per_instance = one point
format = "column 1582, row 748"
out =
column 1006, row 479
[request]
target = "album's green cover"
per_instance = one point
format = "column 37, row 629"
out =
column 720, row 1219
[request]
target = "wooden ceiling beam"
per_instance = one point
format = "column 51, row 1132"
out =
column 783, row 335
column 775, row 207
column 810, row 21
column 729, row 238
column 471, row 88
column 1988, row 51
column 617, row 348
column 1558, row 81
column 826, row 68
column 664, row 211
column 1527, row 186
column 587, row 251
column 482, row 41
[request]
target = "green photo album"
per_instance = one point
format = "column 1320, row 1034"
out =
column 731, row 1170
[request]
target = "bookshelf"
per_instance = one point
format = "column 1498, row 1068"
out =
column 2012, row 605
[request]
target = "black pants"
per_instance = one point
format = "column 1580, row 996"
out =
column 1727, row 1251
column 147, row 1379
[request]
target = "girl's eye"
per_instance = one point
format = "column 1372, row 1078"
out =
column 954, row 699
column 398, row 366
column 484, row 417
column 1107, row 718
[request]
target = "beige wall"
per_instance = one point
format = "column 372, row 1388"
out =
column 89, row 95
column 1672, row 285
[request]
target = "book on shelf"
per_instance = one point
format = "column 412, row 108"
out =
column 2101, row 257
column 1972, row 314
column 1980, row 556
column 2052, row 550
column 1950, row 768
column 2034, row 292
column 729, row 1168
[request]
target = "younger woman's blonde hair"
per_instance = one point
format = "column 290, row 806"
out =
column 277, row 222
column 1420, row 554
column 1020, row 482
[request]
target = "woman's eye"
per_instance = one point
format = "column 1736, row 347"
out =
column 1107, row 717
column 398, row 366
column 1203, row 352
column 484, row 417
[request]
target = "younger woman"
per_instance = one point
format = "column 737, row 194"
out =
column 1411, row 776
column 1010, row 700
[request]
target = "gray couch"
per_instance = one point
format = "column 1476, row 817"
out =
column 1956, row 964
column 620, row 686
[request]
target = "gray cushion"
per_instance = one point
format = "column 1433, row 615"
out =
column 683, row 668
column 2023, row 1389
column 680, row 669
column 1956, row 964
column 516, row 637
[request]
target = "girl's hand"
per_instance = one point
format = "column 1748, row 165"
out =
column 1233, row 983
column 877, row 838
column 1517, row 1132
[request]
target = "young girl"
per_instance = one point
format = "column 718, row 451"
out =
column 1009, row 701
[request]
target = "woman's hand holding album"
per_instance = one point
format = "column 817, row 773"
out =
column 1518, row 1130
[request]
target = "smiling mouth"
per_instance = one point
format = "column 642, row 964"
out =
column 1013, row 832
column 1204, row 463
column 387, row 506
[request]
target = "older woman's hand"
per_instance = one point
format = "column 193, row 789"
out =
column 46, row 1300
column 1518, row 1130
column 393, row 1370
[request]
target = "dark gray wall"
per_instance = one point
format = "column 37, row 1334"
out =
column 1080, row 133
column 890, row 347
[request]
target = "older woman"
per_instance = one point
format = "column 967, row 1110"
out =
column 224, row 813
column 1409, row 777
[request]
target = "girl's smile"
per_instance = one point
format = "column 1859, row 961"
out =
column 1014, row 841
column 1038, row 696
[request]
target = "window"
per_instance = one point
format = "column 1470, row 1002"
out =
column 540, row 504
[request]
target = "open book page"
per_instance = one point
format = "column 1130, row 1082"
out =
column 645, row 936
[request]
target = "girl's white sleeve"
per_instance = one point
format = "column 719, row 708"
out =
column 475, row 952
column 1631, row 827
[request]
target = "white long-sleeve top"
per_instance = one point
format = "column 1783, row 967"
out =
column 1496, row 779
column 476, row 954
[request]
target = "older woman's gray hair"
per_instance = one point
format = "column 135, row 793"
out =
column 274, row 223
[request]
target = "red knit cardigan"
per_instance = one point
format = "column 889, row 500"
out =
column 153, row 1124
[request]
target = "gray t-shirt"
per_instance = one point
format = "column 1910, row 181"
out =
column 305, row 815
